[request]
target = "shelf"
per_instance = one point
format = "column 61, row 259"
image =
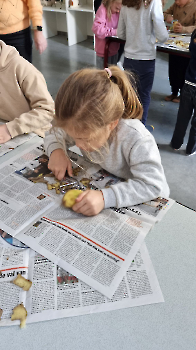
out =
column 53, row 9
column 83, row 8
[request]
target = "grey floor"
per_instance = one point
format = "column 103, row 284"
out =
column 59, row 61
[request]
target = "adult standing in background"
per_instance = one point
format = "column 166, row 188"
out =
column 15, row 30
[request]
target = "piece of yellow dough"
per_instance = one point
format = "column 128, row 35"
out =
column 69, row 198
column 22, row 282
column 19, row 313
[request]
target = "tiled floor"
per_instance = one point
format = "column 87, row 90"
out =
column 59, row 61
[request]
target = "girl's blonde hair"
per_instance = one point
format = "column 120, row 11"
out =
column 89, row 99
column 107, row 4
column 136, row 3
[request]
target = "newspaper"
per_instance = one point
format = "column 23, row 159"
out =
column 15, row 142
column 98, row 250
column 55, row 293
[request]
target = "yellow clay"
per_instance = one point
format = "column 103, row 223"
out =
column 69, row 198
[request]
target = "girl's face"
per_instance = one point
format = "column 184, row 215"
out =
column 94, row 141
column 116, row 6
column 182, row 3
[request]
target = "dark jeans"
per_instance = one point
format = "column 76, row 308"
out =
column 187, row 105
column 144, row 71
column 22, row 41
column 177, row 70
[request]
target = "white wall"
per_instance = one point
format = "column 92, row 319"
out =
column 168, row 4
column 61, row 22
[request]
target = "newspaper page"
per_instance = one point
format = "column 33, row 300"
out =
column 98, row 249
column 55, row 293
column 15, row 142
column 19, row 202
column 83, row 246
column 12, row 262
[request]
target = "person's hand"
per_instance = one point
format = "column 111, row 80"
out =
column 59, row 163
column 177, row 28
column 169, row 18
column 89, row 203
column 40, row 41
column 4, row 134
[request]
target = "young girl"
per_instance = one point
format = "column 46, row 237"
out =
column 140, row 24
column 99, row 111
column 105, row 24
column 25, row 103
column 185, row 12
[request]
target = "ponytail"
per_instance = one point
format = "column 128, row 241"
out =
column 127, row 84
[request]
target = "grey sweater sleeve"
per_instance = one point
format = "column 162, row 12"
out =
column 158, row 22
column 57, row 138
column 121, row 30
column 147, row 180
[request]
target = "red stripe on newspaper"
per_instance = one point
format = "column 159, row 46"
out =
column 84, row 237
column 15, row 268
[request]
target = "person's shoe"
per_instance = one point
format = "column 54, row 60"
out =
column 176, row 99
column 190, row 154
column 170, row 97
column 150, row 128
column 175, row 149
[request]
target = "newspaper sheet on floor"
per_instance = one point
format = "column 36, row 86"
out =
column 55, row 293
column 15, row 142
column 98, row 250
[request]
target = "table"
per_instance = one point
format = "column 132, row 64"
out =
column 160, row 47
column 165, row 326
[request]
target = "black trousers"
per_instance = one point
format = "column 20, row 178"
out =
column 185, row 112
column 177, row 70
column 22, row 41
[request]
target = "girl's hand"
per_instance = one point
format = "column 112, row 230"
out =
column 89, row 203
column 178, row 28
column 169, row 18
column 59, row 163
column 4, row 134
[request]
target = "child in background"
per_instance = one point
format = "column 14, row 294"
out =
column 105, row 24
column 25, row 102
column 99, row 111
column 187, row 105
column 140, row 24
column 184, row 11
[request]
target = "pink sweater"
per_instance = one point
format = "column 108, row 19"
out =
column 103, row 27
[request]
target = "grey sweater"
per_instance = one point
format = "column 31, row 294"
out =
column 133, row 155
column 140, row 28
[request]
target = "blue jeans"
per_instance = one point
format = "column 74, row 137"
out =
column 185, row 112
column 144, row 71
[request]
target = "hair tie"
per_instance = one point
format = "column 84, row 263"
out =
column 108, row 72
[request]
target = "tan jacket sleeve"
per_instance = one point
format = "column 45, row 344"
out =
column 169, row 11
column 35, row 12
column 41, row 105
column 188, row 29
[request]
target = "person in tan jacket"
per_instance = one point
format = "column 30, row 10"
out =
column 25, row 102
column 184, row 13
column 15, row 30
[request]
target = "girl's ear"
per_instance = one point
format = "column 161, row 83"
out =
column 113, row 124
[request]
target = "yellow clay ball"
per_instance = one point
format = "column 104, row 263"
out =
column 69, row 198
